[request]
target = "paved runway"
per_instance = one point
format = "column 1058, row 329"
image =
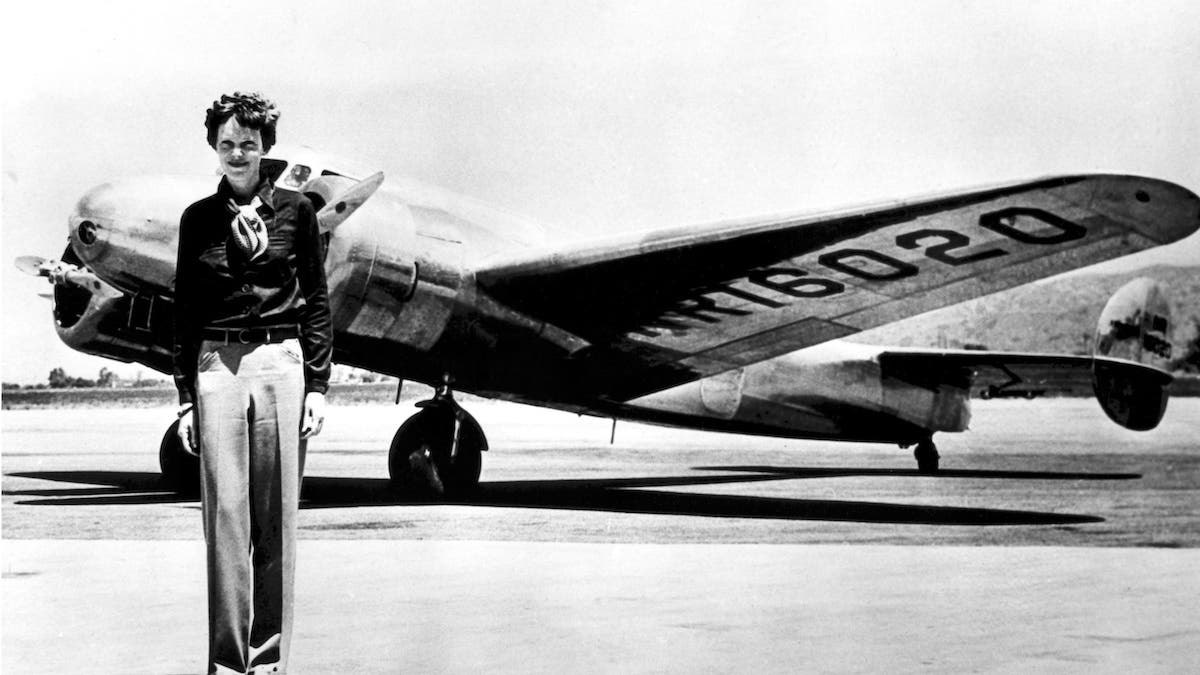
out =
column 469, row 607
column 578, row 555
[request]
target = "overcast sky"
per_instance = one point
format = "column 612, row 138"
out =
column 593, row 116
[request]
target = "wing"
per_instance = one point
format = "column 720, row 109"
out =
column 664, row 308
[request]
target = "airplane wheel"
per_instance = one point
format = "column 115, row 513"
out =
column 180, row 470
column 419, row 459
column 927, row 456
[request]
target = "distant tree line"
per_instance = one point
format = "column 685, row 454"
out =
column 60, row 380
column 107, row 379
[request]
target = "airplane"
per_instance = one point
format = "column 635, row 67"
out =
column 734, row 326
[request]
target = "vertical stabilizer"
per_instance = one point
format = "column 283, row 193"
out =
column 1134, row 326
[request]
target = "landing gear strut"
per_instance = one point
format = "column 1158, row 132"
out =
column 180, row 469
column 438, row 450
column 927, row 456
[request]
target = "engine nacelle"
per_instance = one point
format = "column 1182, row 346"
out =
column 1135, row 326
column 96, row 318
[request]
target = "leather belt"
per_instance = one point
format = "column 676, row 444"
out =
column 248, row 336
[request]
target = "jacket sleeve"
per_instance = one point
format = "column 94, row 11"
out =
column 316, row 325
column 186, row 333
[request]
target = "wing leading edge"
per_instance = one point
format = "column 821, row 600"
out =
column 672, row 306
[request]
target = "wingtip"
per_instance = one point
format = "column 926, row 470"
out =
column 1160, row 209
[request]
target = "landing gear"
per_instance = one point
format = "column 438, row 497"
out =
column 180, row 469
column 438, row 450
column 927, row 456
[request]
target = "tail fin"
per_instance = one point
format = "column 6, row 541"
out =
column 1135, row 326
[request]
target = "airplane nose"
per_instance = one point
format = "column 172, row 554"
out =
column 91, row 223
column 125, row 230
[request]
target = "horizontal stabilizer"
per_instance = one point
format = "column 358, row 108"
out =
column 1132, row 394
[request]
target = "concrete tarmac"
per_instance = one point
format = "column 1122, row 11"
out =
column 1052, row 541
column 510, row 607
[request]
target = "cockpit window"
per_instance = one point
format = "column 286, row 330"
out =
column 297, row 176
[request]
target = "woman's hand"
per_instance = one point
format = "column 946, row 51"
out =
column 314, row 414
column 187, row 430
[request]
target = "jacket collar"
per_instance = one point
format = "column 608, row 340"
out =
column 265, row 191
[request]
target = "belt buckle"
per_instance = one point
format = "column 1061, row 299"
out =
column 241, row 336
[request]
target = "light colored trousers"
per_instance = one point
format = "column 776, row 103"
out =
column 249, row 401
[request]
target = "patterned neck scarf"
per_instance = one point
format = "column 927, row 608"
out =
column 249, row 230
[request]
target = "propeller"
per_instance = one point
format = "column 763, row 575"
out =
column 58, row 272
column 34, row 266
column 341, row 207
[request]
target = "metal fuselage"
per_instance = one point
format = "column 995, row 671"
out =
column 405, row 303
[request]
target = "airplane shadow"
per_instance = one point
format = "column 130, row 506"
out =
column 619, row 495
column 830, row 472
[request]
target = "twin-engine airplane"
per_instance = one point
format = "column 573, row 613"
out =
column 731, row 326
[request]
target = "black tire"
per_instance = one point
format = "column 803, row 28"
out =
column 927, row 457
column 180, row 469
column 424, row 440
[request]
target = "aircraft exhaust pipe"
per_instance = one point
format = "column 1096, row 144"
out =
column 1135, row 326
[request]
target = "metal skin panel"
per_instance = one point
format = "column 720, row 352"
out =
column 721, row 395
column 134, row 229
column 384, row 283
column 834, row 390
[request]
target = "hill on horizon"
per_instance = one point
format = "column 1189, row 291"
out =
column 1058, row 315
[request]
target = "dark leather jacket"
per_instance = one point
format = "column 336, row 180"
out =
column 217, row 286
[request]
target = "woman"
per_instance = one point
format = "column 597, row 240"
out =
column 253, row 340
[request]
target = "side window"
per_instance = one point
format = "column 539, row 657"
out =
column 273, row 167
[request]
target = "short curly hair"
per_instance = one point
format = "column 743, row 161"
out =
column 253, row 111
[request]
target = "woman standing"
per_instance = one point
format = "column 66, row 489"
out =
column 253, row 341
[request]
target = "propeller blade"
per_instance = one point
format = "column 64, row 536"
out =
column 34, row 266
column 58, row 272
column 341, row 207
